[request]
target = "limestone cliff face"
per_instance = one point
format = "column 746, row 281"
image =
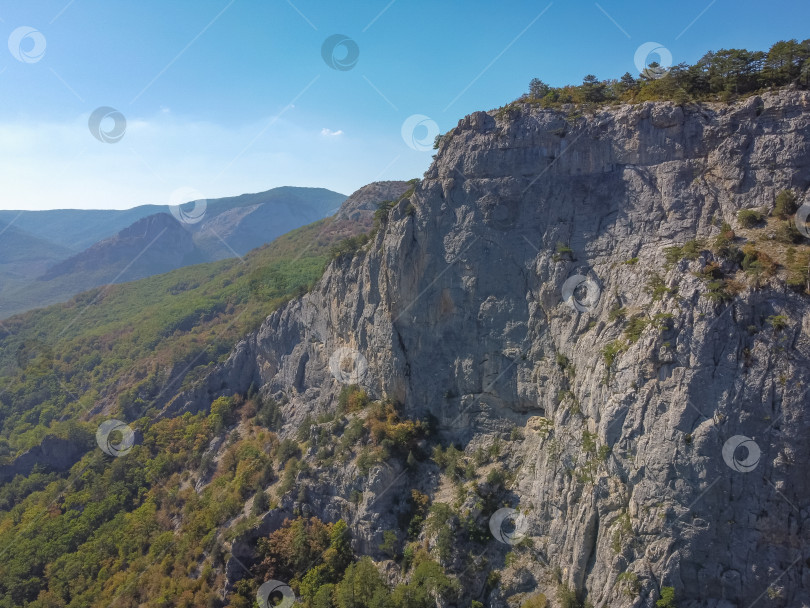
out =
column 458, row 307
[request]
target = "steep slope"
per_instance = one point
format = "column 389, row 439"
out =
column 24, row 257
column 14, row 243
column 88, row 353
column 657, row 414
column 361, row 205
column 153, row 245
column 157, row 243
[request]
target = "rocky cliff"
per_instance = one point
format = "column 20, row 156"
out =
column 361, row 205
column 656, row 406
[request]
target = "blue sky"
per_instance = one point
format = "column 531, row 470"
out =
column 233, row 96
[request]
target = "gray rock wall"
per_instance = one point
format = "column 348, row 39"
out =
column 458, row 309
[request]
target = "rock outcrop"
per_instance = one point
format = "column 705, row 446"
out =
column 362, row 204
column 462, row 306
column 52, row 454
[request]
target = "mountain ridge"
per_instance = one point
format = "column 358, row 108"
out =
column 78, row 229
column 227, row 227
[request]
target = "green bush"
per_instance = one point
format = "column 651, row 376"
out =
column 353, row 433
column 562, row 361
column 222, row 413
column 562, row 252
column 261, row 502
column 672, row 255
column 723, row 244
column 611, row 351
column 496, row 478
column 369, row 457
column 749, row 218
column 449, row 460
column 786, row 232
column 288, row 479
column 348, row 247
column 285, row 450
column 389, row 544
column 444, row 544
column 657, row 288
column 568, row 597
column 622, row 533
column 269, row 415
column 635, row 327
column 691, row 249
column 798, row 269
column 538, row 600
column 785, row 204
column 667, row 599
column 588, row 441
column 383, row 209
column 716, row 291
column 352, row 398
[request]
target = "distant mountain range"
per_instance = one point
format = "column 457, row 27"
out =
column 49, row 256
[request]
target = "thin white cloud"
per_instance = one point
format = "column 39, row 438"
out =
column 330, row 133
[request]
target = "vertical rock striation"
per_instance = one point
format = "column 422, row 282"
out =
column 457, row 306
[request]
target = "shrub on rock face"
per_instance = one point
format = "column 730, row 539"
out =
column 611, row 351
column 222, row 412
column 261, row 502
column 567, row 597
column 287, row 449
column 667, row 598
column 538, row 600
column 798, row 269
column 635, row 328
column 352, row 398
column 384, row 422
column 786, row 232
column 785, row 204
column 749, row 218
